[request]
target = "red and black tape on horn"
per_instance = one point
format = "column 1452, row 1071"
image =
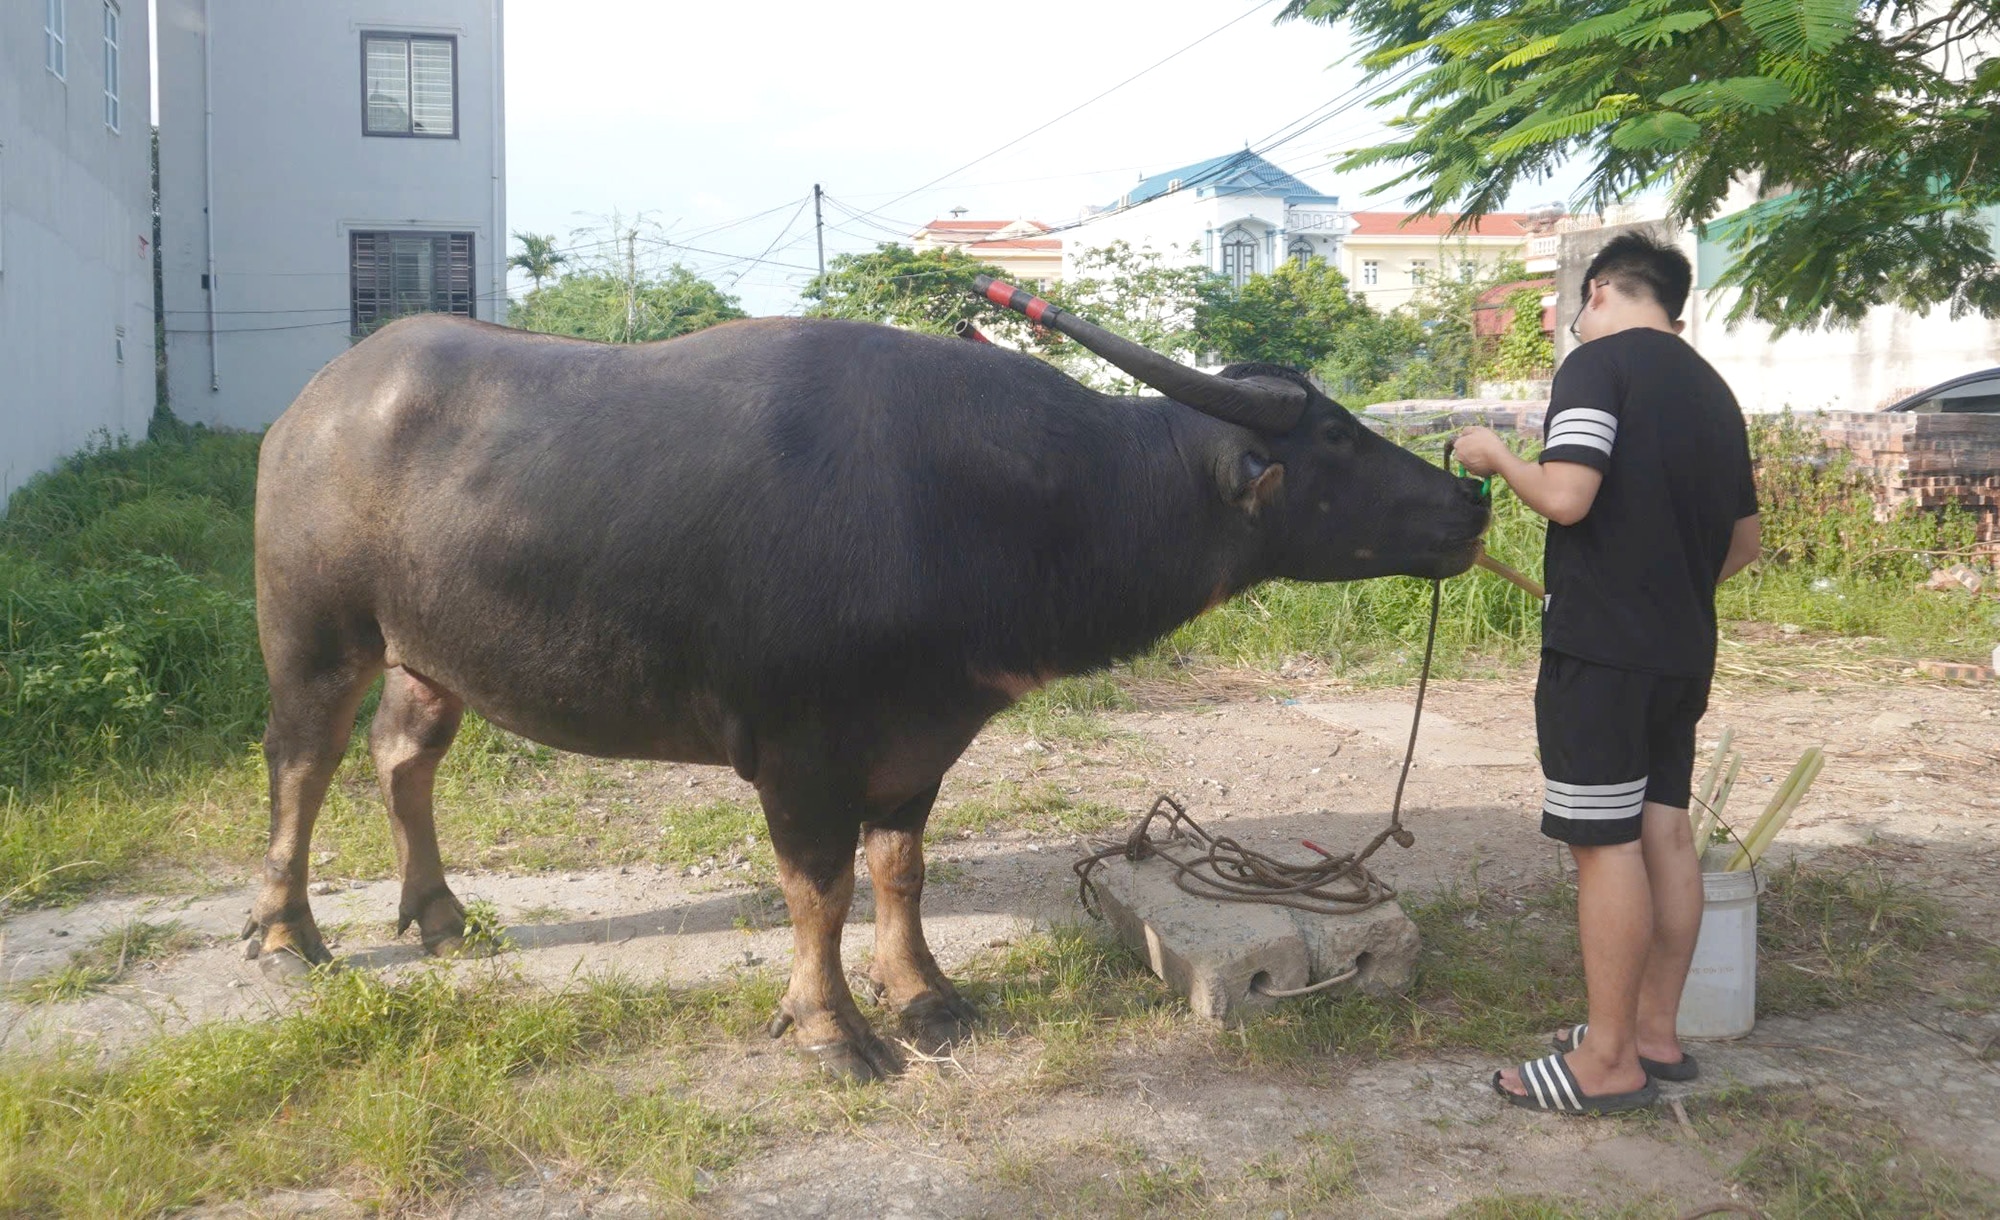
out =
column 1020, row 300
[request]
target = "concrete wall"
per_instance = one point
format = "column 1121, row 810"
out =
column 293, row 175
column 75, row 233
column 1890, row 353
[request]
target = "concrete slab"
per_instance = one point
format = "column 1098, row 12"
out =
column 1212, row 952
column 1440, row 742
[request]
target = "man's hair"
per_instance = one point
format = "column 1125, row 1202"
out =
column 1641, row 268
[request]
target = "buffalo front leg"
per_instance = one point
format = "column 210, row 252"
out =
column 932, row 1011
column 311, row 717
column 815, row 849
column 408, row 738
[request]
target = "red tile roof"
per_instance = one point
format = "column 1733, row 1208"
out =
column 1409, row 224
column 1017, row 243
column 976, row 226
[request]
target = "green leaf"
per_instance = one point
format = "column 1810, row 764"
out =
column 1663, row 30
column 1752, row 94
column 1811, row 27
column 1665, row 129
column 1558, row 129
column 1525, row 54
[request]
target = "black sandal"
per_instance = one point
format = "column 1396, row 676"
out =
column 1552, row 1087
column 1678, row 1073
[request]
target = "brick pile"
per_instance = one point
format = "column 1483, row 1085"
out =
column 1930, row 460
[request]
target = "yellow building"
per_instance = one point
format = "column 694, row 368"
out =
column 1388, row 257
column 1021, row 248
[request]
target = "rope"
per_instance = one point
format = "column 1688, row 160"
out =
column 1220, row 868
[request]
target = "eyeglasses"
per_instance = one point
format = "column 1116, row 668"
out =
column 1579, row 313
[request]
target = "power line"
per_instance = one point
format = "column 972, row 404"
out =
column 781, row 234
column 1261, row 4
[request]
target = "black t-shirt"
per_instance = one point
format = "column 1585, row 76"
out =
column 1633, row 583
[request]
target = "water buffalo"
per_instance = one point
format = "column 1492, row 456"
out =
column 824, row 553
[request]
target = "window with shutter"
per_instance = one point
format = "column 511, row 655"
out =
column 409, row 85
column 1239, row 259
column 55, row 39
column 111, row 115
column 395, row 274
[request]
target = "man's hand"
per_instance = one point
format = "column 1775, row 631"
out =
column 1480, row 450
column 1561, row 491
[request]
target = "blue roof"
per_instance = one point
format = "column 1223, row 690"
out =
column 1237, row 173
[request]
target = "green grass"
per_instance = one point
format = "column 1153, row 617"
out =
column 404, row 1092
column 1009, row 806
column 107, row 960
column 1069, row 710
column 1499, row 971
column 1810, row 1158
column 1830, row 937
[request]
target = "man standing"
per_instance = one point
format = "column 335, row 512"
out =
column 1645, row 479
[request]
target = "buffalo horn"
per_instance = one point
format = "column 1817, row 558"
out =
column 1265, row 404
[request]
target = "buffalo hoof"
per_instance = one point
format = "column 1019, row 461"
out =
column 440, row 919
column 285, row 950
column 854, row 1055
column 935, row 1022
column 857, row 1063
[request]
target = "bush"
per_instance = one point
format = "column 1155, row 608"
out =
column 127, row 631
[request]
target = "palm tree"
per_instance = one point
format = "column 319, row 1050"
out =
column 538, row 257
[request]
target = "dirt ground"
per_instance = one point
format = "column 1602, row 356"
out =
column 1912, row 779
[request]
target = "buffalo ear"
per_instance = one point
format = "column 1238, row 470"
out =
column 1256, row 483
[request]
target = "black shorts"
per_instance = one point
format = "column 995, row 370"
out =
column 1612, row 739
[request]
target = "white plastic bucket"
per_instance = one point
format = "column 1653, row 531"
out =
column 1720, row 999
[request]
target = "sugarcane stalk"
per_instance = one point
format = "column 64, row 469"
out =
column 1779, row 811
column 1763, row 842
column 1712, row 813
column 1705, row 791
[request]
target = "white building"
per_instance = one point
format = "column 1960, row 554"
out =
column 324, row 168
column 76, row 283
column 1388, row 257
column 1236, row 214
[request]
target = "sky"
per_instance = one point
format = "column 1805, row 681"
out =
column 688, row 117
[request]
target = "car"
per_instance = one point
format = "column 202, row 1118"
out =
column 1974, row 393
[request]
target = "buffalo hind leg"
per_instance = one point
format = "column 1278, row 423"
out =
column 907, row 976
column 813, row 833
column 312, row 714
column 408, row 738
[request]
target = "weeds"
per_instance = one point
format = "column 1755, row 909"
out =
column 1499, row 970
column 107, row 959
column 485, row 932
column 1811, row 1159
column 1828, row 938
column 413, row 1088
column 1045, row 808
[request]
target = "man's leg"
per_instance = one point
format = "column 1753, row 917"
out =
column 1590, row 722
column 1674, row 875
column 1614, row 922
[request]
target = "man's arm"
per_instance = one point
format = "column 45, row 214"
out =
column 1561, row 491
column 1746, row 543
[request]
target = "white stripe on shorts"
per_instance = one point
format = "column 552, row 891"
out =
column 1594, row 802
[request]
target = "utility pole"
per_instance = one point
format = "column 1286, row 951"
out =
column 631, row 282
column 819, row 231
